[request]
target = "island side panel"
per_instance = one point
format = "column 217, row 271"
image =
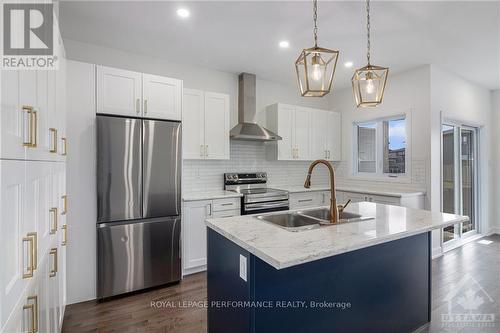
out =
column 225, row 284
column 387, row 285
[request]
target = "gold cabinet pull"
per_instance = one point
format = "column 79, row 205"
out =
column 145, row 106
column 53, row 271
column 53, row 226
column 64, row 146
column 65, row 204
column 31, row 254
column 64, row 228
column 138, row 106
column 33, row 308
column 54, row 140
column 32, row 126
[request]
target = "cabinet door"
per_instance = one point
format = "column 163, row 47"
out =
column 195, row 233
column 286, row 148
column 16, row 254
column 61, row 110
column 119, row 91
column 28, row 98
column 162, row 97
column 193, row 125
column 12, row 117
column 216, row 126
column 302, row 134
column 318, row 134
column 334, row 136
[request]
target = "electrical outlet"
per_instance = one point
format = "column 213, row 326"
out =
column 243, row 267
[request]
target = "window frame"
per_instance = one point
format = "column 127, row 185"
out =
column 379, row 150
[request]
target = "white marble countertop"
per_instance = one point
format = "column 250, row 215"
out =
column 282, row 248
column 372, row 191
column 209, row 195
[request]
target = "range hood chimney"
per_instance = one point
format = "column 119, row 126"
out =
column 247, row 128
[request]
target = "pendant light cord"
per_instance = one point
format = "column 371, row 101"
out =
column 315, row 18
column 368, row 46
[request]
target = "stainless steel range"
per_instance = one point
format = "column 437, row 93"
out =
column 257, row 197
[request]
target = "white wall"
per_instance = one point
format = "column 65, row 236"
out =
column 495, row 218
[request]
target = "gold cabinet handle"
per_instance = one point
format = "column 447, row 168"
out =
column 65, row 204
column 32, row 126
column 65, row 235
column 54, row 140
column 64, row 146
column 145, row 106
column 53, row 226
column 33, row 308
column 31, row 251
column 137, row 106
column 53, row 271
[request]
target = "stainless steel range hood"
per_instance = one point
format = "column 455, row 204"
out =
column 247, row 128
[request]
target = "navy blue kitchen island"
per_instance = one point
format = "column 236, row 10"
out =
column 368, row 276
column 382, row 288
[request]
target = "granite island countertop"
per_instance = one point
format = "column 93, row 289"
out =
column 281, row 248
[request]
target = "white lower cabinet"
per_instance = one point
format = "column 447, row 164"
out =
column 194, row 230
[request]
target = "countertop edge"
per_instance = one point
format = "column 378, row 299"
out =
column 355, row 190
column 264, row 257
column 208, row 196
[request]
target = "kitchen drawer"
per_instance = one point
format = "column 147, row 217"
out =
column 306, row 199
column 226, row 204
column 226, row 213
column 355, row 197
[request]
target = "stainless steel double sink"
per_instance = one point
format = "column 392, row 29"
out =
column 310, row 219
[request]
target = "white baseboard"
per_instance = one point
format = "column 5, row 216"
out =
column 193, row 270
column 437, row 252
column 493, row 231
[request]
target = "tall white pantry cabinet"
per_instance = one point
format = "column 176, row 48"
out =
column 33, row 201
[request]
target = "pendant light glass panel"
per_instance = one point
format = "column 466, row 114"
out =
column 368, row 84
column 315, row 69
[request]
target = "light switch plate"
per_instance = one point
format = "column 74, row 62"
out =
column 243, row 267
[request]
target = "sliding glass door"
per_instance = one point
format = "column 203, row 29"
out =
column 459, row 178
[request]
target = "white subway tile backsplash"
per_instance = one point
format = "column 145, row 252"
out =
column 250, row 156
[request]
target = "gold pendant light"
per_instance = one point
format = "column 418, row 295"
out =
column 368, row 83
column 316, row 66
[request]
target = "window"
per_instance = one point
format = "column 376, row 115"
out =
column 381, row 147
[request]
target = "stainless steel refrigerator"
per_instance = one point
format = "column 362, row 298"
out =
column 138, row 204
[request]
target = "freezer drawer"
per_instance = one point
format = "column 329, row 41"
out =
column 137, row 255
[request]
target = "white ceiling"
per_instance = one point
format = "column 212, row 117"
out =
column 463, row 37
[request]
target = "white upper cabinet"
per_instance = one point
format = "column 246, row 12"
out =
column 161, row 97
column 334, row 136
column 134, row 94
column 119, row 91
column 193, row 124
column 307, row 133
column 325, row 135
column 302, row 134
column 12, row 119
column 205, row 125
column 318, row 135
column 216, row 126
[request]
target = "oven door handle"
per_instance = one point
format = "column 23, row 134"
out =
column 259, row 206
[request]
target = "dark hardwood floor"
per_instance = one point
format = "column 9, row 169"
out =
column 468, row 276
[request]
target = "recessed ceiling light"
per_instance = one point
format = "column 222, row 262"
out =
column 284, row 44
column 348, row 64
column 183, row 12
